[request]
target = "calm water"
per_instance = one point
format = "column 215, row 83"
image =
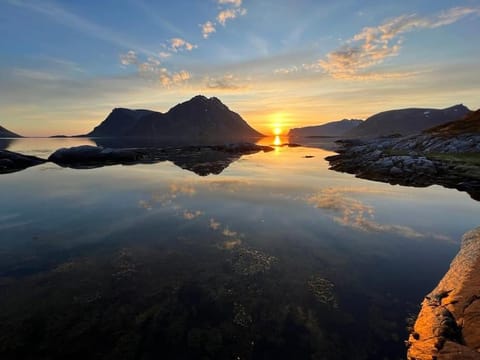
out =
column 276, row 257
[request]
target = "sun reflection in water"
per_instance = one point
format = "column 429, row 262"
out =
column 277, row 141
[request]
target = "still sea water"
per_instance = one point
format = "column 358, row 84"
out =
column 277, row 257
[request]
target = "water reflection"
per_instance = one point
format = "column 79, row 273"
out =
column 277, row 141
column 357, row 215
column 277, row 257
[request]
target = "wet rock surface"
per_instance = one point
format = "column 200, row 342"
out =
column 447, row 326
column 12, row 162
column 420, row 161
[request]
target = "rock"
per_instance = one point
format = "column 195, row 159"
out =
column 395, row 171
column 419, row 168
column 448, row 325
column 203, row 160
column 12, row 162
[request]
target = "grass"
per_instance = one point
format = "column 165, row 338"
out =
column 465, row 158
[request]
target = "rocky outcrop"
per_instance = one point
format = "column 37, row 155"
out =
column 203, row 160
column 12, row 162
column 422, row 160
column 448, row 325
column 333, row 129
column 406, row 121
column 197, row 118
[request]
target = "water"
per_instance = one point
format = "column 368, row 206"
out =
column 276, row 257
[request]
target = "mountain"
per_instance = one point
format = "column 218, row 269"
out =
column 199, row 117
column 470, row 124
column 119, row 122
column 406, row 121
column 334, row 128
column 4, row 133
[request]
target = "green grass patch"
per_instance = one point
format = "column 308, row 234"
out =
column 465, row 158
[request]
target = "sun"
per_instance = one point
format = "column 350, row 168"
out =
column 277, row 131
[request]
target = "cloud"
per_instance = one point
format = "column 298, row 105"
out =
column 229, row 9
column 236, row 3
column 164, row 54
column 207, row 29
column 168, row 79
column 225, row 82
column 129, row 58
column 179, row 44
column 227, row 14
column 373, row 45
column 152, row 69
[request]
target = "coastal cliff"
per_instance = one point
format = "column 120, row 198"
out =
column 448, row 325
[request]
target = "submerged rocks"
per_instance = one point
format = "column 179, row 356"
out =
column 12, row 162
column 448, row 325
column 322, row 290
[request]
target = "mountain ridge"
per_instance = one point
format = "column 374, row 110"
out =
column 406, row 121
column 332, row 128
column 199, row 117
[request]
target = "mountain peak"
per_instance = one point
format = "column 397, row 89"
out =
column 199, row 117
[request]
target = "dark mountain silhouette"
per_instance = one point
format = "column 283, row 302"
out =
column 334, row 129
column 4, row 133
column 198, row 118
column 469, row 124
column 406, row 121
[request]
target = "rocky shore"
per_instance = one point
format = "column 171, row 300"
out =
column 447, row 326
column 203, row 160
column 418, row 160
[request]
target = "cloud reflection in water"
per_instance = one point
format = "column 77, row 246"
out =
column 353, row 213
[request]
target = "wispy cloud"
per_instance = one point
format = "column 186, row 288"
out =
column 236, row 3
column 129, row 58
column 229, row 10
column 227, row 14
column 225, row 82
column 179, row 44
column 373, row 45
column 208, row 28
column 152, row 68
column 168, row 79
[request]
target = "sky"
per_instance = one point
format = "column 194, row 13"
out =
column 64, row 65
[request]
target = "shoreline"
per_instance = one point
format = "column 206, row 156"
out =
column 417, row 161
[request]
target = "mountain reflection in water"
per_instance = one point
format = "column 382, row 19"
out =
column 276, row 257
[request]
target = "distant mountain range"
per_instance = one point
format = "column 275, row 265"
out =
column 406, row 121
column 4, row 133
column 398, row 122
column 333, row 129
column 198, row 118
